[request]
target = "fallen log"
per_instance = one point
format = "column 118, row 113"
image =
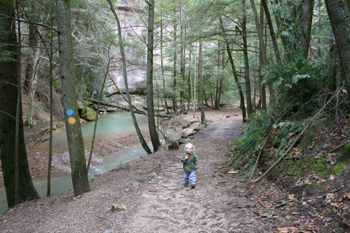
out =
column 136, row 110
column 115, row 106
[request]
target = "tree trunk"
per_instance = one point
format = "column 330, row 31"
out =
column 33, row 41
column 32, row 88
column 194, row 83
column 200, row 78
column 182, row 59
column 138, row 131
column 218, row 81
column 246, row 63
column 264, row 56
column 272, row 32
column 339, row 15
column 235, row 75
column 175, row 68
column 262, row 51
column 9, row 94
column 162, row 64
column 237, row 82
column 222, row 75
column 304, row 27
column 189, row 85
column 69, row 99
column 150, row 105
column 48, row 191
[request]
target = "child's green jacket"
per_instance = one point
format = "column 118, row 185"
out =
column 191, row 164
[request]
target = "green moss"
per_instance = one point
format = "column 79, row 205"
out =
column 87, row 113
column 339, row 167
column 321, row 167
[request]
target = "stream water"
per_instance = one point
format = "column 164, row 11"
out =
column 109, row 126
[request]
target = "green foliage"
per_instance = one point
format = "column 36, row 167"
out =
column 254, row 127
column 6, row 55
column 284, row 139
column 298, row 82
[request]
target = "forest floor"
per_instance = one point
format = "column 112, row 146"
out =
column 149, row 196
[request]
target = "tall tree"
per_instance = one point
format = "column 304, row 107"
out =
column 304, row 27
column 234, row 71
column 246, row 61
column 9, row 111
column 122, row 51
column 219, row 81
column 69, row 84
column 272, row 31
column 339, row 15
column 162, row 61
column 150, row 105
column 32, row 42
column 174, row 96
column 200, row 77
column 32, row 87
column 182, row 57
column 295, row 20
column 262, row 48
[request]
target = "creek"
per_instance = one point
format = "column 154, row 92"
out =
column 109, row 127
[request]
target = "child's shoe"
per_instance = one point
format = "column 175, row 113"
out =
column 193, row 186
column 185, row 184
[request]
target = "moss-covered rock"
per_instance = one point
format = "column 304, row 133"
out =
column 87, row 113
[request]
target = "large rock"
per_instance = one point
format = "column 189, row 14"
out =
column 87, row 113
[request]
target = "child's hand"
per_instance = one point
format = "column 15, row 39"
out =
column 186, row 157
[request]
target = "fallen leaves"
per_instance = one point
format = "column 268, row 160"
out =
column 291, row 197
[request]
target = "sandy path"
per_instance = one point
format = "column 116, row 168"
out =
column 166, row 206
column 160, row 204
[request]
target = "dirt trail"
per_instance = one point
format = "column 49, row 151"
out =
column 152, row 190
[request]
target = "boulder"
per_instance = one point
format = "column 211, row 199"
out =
column 87, row 113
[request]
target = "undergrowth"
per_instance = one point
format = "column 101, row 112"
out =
column 271, row 134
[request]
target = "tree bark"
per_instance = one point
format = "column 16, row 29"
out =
column 32, row 87
column 262, row 53
column 162, row 64
column 235, row 75
column 150, row 105
column 304, row 28
column 272, row 32
column 33, row 40
column 182, row 59
column 9, row 94
column 138, row 131
column 69, row 99
column 339, row 15
column 246, row 63
column 200, row 78
column 174, row 95
column 219, row 82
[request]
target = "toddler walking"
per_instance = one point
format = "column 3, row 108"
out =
column 190, row 164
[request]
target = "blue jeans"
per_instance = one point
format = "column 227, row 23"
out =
column 191, row 176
